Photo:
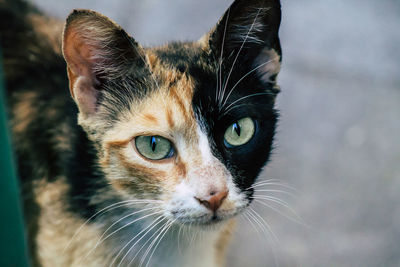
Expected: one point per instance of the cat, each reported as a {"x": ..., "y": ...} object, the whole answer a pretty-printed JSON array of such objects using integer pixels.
[{"x": 138, "y": 156}]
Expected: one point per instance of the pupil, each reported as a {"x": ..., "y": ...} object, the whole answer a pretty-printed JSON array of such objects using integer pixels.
[
  {"x": 153, "y": 143},
  {"x": 236, "y": 127}
]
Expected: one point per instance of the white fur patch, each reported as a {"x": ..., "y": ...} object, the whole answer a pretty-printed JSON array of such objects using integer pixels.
[{"x": 204, "y": 146}]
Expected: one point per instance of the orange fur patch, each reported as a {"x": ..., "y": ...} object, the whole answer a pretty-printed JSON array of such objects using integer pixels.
[{"x": 166, "y": 112}]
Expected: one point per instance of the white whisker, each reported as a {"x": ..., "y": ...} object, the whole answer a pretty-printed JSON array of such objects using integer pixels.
[
  {"x": 159, "y": 241},
  {"x": 265, "y": 225},
  {"x": 276, "y": 191},
  {"x": 268, "y": 180},
  {"x": 250, "y": 220},
  {"x": 179, "y": 239},
  {"x": 130, "y": 223},
  {"x": 237, "y": 55},
  {"x": 101, "y": 240},
  {"x": 244, "y": 76},
  {"x": 278, "y": 201},
  {"x": 287, "y": 186},
  {"x": 152, "y": 225},
  {"x": 153, "y": 241},
  {"x": 107, "y": 209},
  {"x": 147, "y": 241},
  {"x": 267, "y": 230},
  {"x": 220, "y": 58},
  {"x": 299, "y": 220},
  {"x": 227, "y": 109},
  {"x": 192, "y": 238}
]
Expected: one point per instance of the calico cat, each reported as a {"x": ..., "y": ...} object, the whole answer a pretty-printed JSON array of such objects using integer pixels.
[{"x": 158, "y": 148}]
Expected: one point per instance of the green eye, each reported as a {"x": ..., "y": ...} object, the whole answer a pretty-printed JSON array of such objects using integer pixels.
[
  {"x": 154, "y": 147},
  {"x": 240, "y": 132}
]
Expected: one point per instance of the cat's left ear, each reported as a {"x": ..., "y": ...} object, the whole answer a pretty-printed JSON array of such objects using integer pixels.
[{"x": 248, "y": 34}]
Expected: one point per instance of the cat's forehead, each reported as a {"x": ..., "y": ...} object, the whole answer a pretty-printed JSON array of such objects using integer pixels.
[
  {"x": 169, "y": 108},
  {"x": 183, "y": 57},
  {"x": 165, "y": 111}
]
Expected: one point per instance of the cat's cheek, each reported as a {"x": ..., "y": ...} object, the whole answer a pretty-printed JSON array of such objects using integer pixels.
[{"x": 131, "y": 177}]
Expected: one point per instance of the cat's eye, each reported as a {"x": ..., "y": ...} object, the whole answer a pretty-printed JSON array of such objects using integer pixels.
[
  {"x": 154, "y": 147},
  {"x": 239, "y": 133}
]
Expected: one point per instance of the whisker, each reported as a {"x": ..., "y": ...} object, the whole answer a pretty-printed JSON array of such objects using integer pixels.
[
  {"x": 192, "y": 238},
  {"x": 227, "y": 109},
  {"x": 299, "y": 220},
  {"x": 159, "y": 241},
  {"x": 268, "y": 180},
  {"x": 264, "y": 228},
  {"x": 234, "y": 107},
  {"x": 106, "y": 209},
  {"x": 237, "y": 55},
  {"x": 274, "y": 241},
  {"x": 244, "y": 76},
  {"x": 249, "y": 219},
  {"x": 257, "y": 223},
  {"x": 263, "y": 223},
  {"x": 101, "y": 240},
  {"x": 152, "y": 225},
  {"x": 220, "y": 58},
  {"x": 150, "y": 246},
  {"x": 217, "y": 85},
  {"x": 147, "y": 241},
  {"x": 276, "y": 200},
  {"x": 179, "y": 239},
  {"x": 276, "y": 191},
  {"x": 274, "y": 184},
  {"x": 130, "y": 223}
]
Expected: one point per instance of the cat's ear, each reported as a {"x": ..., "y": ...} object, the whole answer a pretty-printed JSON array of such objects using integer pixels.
[
  {"x": 248, "y": 33},
  {"x": 96, "y": 49}
]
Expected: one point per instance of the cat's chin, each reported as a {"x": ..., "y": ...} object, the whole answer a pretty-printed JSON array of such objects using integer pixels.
[
  {"x": 213, "y": 224},
  {"x": 207, "y": 221}
]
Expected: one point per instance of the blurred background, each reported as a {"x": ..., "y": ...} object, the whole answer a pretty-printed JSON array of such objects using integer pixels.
[{"x": 338, "y": 141}]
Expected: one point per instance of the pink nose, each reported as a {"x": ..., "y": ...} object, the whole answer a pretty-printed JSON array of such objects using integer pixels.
[{"x": 213, "y": 201}]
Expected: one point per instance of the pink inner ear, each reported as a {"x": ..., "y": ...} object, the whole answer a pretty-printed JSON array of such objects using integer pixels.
[
  {"x": 85, "y": 95},
  {"x": 79, "y": 57},
  {"x": 78, "y": 54}
]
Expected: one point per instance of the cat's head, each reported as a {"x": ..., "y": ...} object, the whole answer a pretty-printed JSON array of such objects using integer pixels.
[{"x": 187, "y": 124}]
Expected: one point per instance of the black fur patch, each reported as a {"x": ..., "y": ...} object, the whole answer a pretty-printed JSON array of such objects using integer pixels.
[{"x": 244, "y": 162}]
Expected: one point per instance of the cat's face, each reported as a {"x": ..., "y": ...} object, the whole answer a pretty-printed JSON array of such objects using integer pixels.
[{"x": 187, "y": 124}]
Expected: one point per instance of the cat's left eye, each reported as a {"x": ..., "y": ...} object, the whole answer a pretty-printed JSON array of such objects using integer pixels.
[
  {"x": 154, "y": 147},
  {"x": 239, "y": 133}
]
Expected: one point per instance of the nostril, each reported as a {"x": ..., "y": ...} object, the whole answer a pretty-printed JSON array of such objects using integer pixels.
[{"x": 213, "y": 201}]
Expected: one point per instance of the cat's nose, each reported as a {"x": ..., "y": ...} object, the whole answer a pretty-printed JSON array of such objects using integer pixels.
[{"x": 213, "y": 201}]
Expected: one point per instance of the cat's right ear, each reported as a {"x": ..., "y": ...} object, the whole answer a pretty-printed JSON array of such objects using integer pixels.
[{"x": 96, "y": 49}]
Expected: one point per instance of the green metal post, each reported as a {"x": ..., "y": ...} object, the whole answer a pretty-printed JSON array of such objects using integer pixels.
[{"x": 13, "y": 252}]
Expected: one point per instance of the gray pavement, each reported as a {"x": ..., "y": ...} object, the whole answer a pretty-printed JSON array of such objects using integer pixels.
[{"x": 338, "y": 141}]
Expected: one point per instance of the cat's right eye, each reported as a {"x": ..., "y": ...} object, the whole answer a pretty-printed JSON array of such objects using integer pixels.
[{"x": 154, "y": 147}]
